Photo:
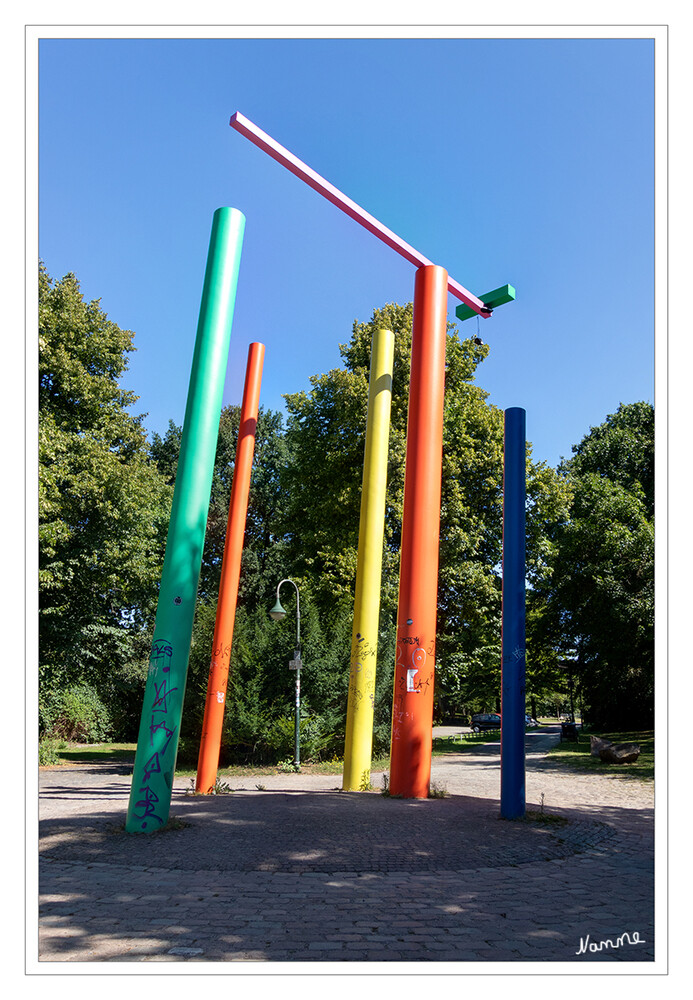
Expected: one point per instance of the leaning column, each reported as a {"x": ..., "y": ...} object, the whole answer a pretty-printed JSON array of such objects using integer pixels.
[
  {"x": 213, "y": 721},
  {"x": 157, "y": 744}
]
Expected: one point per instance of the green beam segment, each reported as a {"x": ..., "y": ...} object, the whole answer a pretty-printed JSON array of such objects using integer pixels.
[{"x": 498, "y": 297}]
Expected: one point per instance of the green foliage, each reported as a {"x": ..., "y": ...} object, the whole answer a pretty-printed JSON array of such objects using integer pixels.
[
  {"x": 219, "y": 788},
  {"x": 326, "y": 436},
  {"x": 164, "y": 451},
  {"x": 303, "y": 522},
  {"x": 316, "y": 743},
  {"x": 77, "y": 714},
  {"x": 260, "y": 690},
  {"x": 621, "y": 450},
  {"x": 599, "y": 600},
  {"x": 103, "y": 506},
  {"x": 365, "y": 782},
  {"x": 49, "y": 751},
  {"x": 188, "y": 751},
  {"x": 104, "y": 501},
  {"x": 263, "y": 548}
]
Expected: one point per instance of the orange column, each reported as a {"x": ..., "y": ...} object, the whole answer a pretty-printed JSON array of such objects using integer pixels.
[
  {"x": 412, "y": 705},
  {"x": 210, "y": 743}
]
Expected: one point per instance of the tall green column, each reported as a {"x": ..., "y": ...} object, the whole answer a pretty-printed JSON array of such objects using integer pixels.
[{"x": 157, "y": 744}]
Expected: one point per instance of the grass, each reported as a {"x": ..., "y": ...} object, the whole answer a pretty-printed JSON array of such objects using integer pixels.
[
  {"x": 173, "y": 823},
  {"x": 124, "y": 753},
  {"x": 467, "y": 742},
  {"x": 443, "y": 745},
  {"x": 574, "y": 757},
  {"x": 220, "y": 788},
  {"x": 319, "y": 767},
  {"x": 98, "y": 753},
  {"x": 548, "y": 819},
  {"x": 577, "y": 756}
]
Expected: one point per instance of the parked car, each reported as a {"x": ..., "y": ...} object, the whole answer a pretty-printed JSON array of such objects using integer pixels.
[{"x": 483, "y": 721}]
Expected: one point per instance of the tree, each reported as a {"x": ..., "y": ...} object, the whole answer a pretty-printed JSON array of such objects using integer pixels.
[
  {"x": 263, "y": 544},
  {"x": 326, "y": 430},
  {"x": 600, "y": 595},
  {"x": 256, "y": 696},
  {"x": 620, "y": 450},
  {"x": 103, "y": 506},
  {"x": 303, "y": 519}
]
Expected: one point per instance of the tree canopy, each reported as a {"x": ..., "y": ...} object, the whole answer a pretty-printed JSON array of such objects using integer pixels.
[
  {"x": 326, "y": 435},
  {"x": 104, "y": 502},
  {"x": 103, "y": 506},
  {"x": 600, "y": 594}
]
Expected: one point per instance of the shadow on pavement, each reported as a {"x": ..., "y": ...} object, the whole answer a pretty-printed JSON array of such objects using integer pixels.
[
  {"x": 326, "y": 831},
  {"x": 306, "y": 876}
]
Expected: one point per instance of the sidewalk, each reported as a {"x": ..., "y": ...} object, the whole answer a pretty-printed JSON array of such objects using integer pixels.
[{"x": 298, "y": 871}]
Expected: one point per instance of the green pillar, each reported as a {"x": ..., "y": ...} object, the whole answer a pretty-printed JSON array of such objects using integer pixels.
[{"x": 157, "y": 744}]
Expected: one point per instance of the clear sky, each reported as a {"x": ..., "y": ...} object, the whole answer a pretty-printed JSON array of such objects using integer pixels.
[{"x": 520, "y": 161}]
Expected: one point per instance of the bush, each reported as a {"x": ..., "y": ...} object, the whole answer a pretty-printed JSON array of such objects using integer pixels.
[
  {"x": 315, "y": 741},
  {"x": 77, "y": 714},
  {"x": 381, "y": 739},
  {"x": 48, "y": 708},
  {"x": 48, "y": 751},
  {"x": 125, "y": 697},
  {"x": 188, "y": 752}
]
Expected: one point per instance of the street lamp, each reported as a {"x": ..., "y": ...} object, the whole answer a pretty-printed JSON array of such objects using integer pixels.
[{"x": 277, "y": 613}]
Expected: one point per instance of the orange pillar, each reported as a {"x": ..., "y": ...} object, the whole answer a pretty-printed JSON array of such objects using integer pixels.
[
  {"x": 412, "y": 704},
  {"x": 210, "y": 743}
]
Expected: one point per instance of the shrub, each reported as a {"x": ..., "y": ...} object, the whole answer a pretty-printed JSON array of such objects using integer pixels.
[
  {"x": 381, "y": 739},
  {"x": 280, "y": 737},
  {"x": 188, "y": 752},
  {"x": 315, "y": 741},
  {"x": 48, "y": 751},
  {"x": 48, "y": 709},
  {"x": 79, "y": 715},
  {"x": 125, "y": 697}
]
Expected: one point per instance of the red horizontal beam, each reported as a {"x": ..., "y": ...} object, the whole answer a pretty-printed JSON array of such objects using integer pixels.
[{"x": 354, "y": 211}]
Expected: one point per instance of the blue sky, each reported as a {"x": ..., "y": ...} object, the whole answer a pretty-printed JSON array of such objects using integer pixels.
[{"x": 521, "y": 161}]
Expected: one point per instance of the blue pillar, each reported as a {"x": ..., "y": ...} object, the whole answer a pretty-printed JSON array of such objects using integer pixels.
[{"x": 513, "y": 635}]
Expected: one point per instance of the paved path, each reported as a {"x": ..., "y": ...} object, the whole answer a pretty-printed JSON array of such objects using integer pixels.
[{"x": 299, "y": 871}]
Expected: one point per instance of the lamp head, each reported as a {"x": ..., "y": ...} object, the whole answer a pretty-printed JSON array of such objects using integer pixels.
[{"x": 277, "y": 612}]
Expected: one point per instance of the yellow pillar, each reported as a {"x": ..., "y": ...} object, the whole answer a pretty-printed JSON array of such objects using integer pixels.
[{"x": 364, "y": 642}]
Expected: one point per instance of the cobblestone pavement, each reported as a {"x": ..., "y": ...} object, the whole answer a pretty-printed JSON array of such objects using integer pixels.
[{"x": 298, "y": 871}]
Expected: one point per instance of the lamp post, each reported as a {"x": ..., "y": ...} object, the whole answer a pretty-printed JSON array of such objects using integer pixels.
[{"x": 277, "y": 613}]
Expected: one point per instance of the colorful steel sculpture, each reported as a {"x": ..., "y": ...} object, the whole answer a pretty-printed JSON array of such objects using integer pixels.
[
  {"x": 513, "y": 629},
  {"x": 414, "y": 675},
  {"x": 498, "y": 297},
  {"x": 210, "y": 743},
  {"x": 354, "y": 211},
  {"x": 412, "y": 703},
  {"x": 157, "y": 744},
  {"x": 358, "y": 744}
]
